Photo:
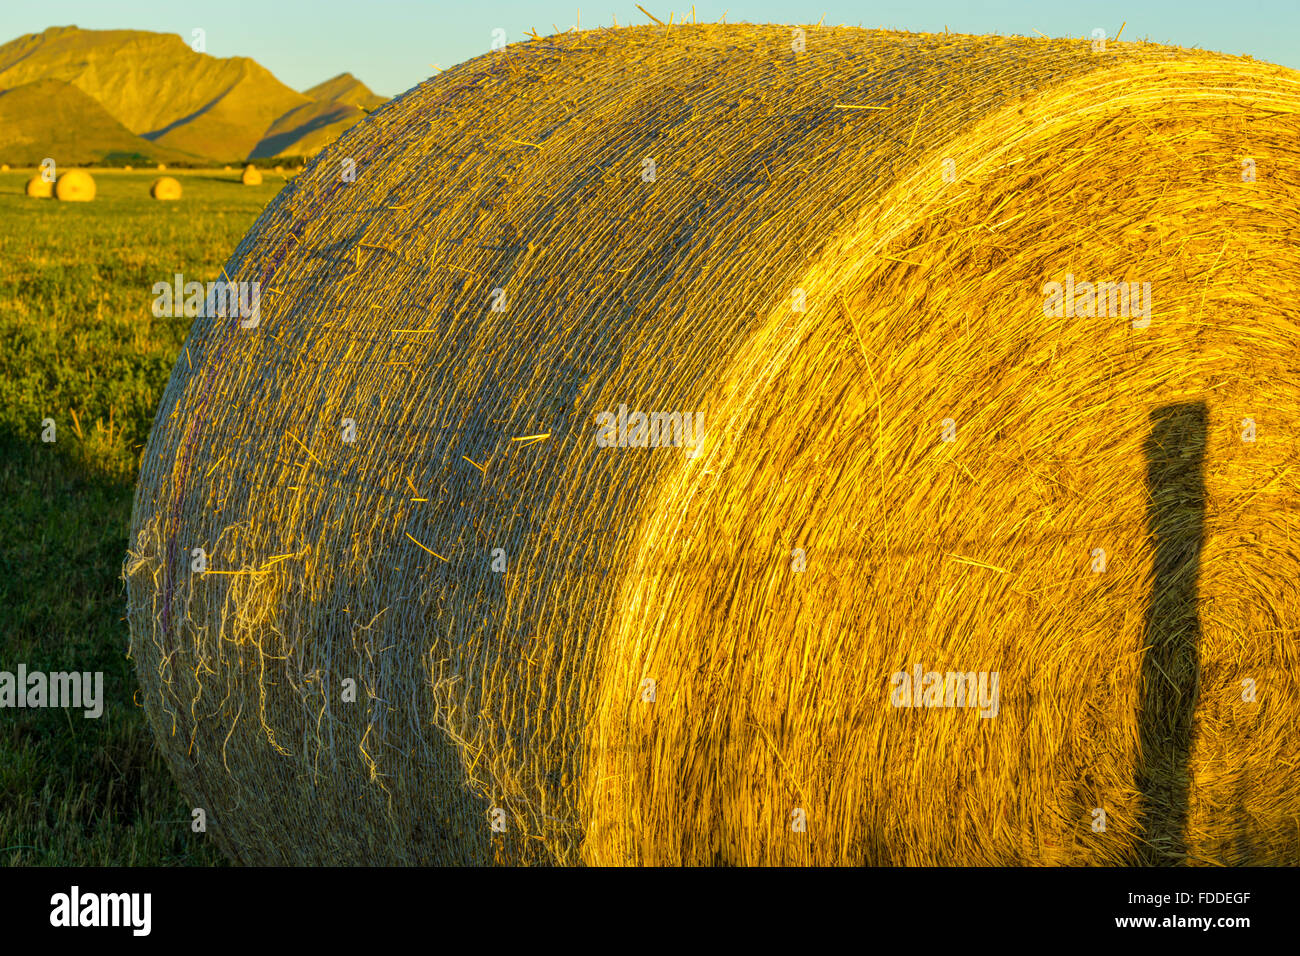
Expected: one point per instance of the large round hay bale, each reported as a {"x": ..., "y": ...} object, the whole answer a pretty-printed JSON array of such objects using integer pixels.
[
  {"x": 432, "y": 544},
  {"x": 165, "y": 187},
  {"x": 251, "y": 176},
  {"x": 76, "y": 185},
  {"x": 39, "y": 188}
]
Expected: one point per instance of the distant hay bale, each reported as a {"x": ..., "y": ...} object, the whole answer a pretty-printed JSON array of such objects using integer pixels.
[
  {"x": 161, "y": 167},
  {"x": 227, "y": 168},
  {"x": 4, "y": 167},
  {"x": 251, "y": 176},
  {"x": 39, "y": 188},
  {"x": 76, "y": 185},
  {"x": 406, "y": 562},
  {"x": 128, "y": 168},
  {"x": 165, "y": 187},
  {"x": 278, "y": 169}
]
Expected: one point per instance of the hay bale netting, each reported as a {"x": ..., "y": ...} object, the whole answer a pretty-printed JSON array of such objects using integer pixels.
[
  {"x": 39, "y": 188},
  {"x": 681, "y": 652},
  {"x": 76, "y": 185},
  {"x": 251, "y": 176},
  {"x": 165, "y": 187}
]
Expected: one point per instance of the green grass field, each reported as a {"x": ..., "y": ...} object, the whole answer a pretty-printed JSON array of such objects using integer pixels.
[{"x": 81, "y": 346}]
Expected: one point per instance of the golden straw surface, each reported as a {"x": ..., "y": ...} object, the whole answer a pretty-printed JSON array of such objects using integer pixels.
[{"x": 633, "y": 573}]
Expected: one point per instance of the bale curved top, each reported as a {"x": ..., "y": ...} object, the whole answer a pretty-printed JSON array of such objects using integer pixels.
[{"x": 624, "y": 220}]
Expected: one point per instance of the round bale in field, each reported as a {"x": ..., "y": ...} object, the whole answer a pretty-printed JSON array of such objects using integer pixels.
[
  {"x": 675, "y": 449},
  {"x": 251, "y": 176},
  {"x": 165, "y": 187},
  {"x": 39, "y": 188},
  {"x": 76, "y": 185}
]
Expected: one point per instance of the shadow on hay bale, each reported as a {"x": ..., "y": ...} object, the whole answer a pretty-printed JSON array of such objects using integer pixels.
[
  {"x": 1176, "y": 517},
  {"x": 917, "y": 456}
]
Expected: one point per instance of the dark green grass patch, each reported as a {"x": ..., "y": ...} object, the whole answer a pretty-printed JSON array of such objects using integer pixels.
[{"x": 81, "y": 347}]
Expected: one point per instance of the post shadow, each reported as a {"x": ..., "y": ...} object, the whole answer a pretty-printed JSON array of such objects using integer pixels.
[{"x": 1175, "y": 454}]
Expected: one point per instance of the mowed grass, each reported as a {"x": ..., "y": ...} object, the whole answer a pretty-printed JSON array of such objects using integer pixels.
[{"x": 81, "y": 347}]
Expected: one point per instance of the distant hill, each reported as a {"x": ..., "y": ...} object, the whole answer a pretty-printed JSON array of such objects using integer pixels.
[
  {"x": 308, "y": 129},
  {"x": 345, "y": 88},
  {"x": 50, "y": 118},
  {"x": 336, "y": 104},
  {"x": 155, "y": 88}
]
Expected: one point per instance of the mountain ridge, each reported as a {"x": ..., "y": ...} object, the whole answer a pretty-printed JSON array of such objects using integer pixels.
[{"x": 163, "y": 93}]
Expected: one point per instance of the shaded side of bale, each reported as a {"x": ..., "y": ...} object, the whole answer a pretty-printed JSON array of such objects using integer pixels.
[{"x": 668, "y": 286}]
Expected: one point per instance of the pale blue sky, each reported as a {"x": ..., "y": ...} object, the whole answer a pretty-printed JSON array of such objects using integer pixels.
[{"x": 390, "y": 44}]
